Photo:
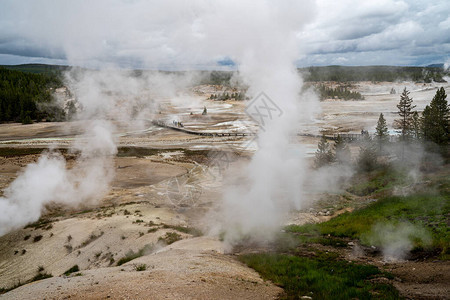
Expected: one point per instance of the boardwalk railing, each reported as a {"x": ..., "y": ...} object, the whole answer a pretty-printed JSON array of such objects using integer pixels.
[
  {"x": 213, "y": 134},
  {"x": 347, "y": 137}
]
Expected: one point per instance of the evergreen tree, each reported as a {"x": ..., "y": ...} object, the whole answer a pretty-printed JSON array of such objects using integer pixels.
[
  {"x": 404, "y": 123},
  {"x": 416, "y": 124},
  {"x": 341, "y": 150},
  {"x": 324, "y": 156},
  {"x": 381, "y": 132},
  {"x": 435, "y": 119},
  {"x": 20, "y": 94}
]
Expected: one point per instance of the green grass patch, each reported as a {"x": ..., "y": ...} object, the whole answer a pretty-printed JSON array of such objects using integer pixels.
[
  {"x": 429, "y": 212},
  {"x": 323, "y": 277},
  {"x": 377, "y": 181}
]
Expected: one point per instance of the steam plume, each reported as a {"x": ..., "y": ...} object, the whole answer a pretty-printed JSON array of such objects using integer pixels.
[
  {"x": 260, "y": 37},
  {"x": 396, "y": 240},
  {"x": 48, "y": 180}
]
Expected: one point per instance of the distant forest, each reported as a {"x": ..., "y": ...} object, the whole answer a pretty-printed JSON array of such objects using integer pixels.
[
  {"x": 340, "y": 92},
  {"x": 25, "y": 90},
  {"x": 26, "y": 96},
  {"x": 348, "y": 74},
  {"x": 373, "y": 73}
]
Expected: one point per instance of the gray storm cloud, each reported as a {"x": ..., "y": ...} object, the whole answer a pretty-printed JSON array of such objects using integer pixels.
[{"x": 174, "y": 33}]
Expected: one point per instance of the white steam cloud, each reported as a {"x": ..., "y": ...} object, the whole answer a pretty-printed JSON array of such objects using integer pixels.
[
  {"x": 48, "y": 180},
  {"x": 260, "y": 36},
  {"x": 397, "y": 240},
  {"x": 274, "y": 176}
]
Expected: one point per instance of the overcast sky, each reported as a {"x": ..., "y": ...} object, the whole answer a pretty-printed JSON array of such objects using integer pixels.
[{"x": 174, "y": 33}]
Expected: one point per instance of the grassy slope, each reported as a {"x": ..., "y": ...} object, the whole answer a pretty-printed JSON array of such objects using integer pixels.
[
  {"x": 429, "y": 209},
  {"x": 322, "y": 277}
]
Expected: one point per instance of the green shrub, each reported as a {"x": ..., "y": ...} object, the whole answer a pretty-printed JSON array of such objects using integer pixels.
[
  {"x": 170, "y": 238},
  {"x": 72, "y": 270},
  {"x": 133, "y": 255},
  {"x": 140, "y": 267}
]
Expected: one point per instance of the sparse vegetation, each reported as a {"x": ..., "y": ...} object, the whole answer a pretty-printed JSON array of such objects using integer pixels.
[
  {"x": 41, "y": 223},
  {"x": 170, "y": 238},
  {"x": 187, "y": 230},
  {"x": 133, "y": 255},
  {"x": 92, "y": 237},
  {"x": 74, "y": 269},
  {"x": 68, "y": 247},
  {"x": 37, "y": 238},
  {"x": 140, "y": 267},
  {"x": 4, "y": 290},
  {"x": 41, "y": 274}
]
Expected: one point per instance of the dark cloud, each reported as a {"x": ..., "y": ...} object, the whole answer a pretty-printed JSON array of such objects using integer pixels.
[{"x": 169, "y": 33}]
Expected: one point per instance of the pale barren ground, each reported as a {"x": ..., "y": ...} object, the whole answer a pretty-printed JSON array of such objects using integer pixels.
[{"x": 95, "y": 237}]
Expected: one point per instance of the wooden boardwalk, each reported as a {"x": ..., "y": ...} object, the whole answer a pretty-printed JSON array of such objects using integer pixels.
[
  {"x": 212, "y": 134},
  {"x": 347, "y": 137}
]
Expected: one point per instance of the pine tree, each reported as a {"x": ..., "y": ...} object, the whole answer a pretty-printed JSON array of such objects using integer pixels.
[
  {"x": 324, "y": 156},
  {"x": 367, "y": 159},
  {"x": 381, "y": 132},
  {"x": 416, "y": 124},
  {"x": 435, "y": 119},
  {"x": 404, "y": 123},
  {"x": 341, "y": 150}
]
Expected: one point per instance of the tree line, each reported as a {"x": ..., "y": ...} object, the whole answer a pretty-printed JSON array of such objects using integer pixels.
[
  {"x": 340, "y": 92},
  {"x": 227, "y": 96},
  {"x": 431, "y": 128},
  {"x": 25, "y": 97},
  {"x": 373, "y": 73}
]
